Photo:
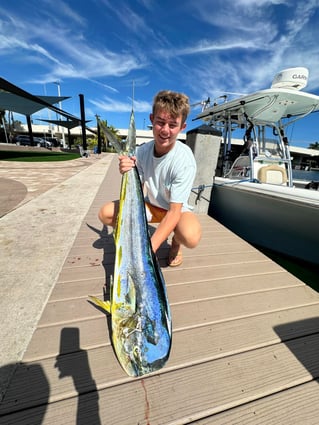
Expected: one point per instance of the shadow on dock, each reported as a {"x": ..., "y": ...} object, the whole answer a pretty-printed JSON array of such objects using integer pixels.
[
  {"x": 73, "y": 361},
  {"x": 24, "y": 394},
  {"x": 302, "y": 339}
]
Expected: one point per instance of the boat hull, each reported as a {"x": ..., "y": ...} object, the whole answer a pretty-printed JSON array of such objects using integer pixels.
[{"x": 282, "y": 219}]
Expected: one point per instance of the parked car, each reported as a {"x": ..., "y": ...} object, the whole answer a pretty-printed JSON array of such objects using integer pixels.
[
  {"x": 43, "y": 142},
  {"x": 54, "y": 142},
  {"x": 24, "y": 140}
]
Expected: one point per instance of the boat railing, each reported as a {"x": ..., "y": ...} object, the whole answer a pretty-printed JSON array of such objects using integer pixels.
[{"x": 270, "y": 160}]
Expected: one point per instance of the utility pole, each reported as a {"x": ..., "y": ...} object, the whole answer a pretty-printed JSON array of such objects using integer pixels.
[
  {"x": 60, "y": 107},
  {"x": 99, "y": 142},
  {"x": 83, "y": 121}
]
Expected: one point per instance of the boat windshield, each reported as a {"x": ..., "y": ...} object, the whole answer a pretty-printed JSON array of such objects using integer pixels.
[
  {"x": 270, "y": 148},
  {"x": 268, "y": 142},
  {"x": 264, "y": 150}
]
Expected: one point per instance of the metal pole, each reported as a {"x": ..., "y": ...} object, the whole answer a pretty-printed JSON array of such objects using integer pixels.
[
  {"x": 99, "y": 144},
  {"x": 4, "y": 128},
  {"x": 29, "y": 123},
  {"x": 83, "y": 121},
  {"x": 60, "y": 107}
]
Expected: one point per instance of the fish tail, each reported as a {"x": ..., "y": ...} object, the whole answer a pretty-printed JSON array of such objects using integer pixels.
[
  {"x": 105, "y": 305},
  {"x": 131, "y": 136},
  {"x": 130, "y": 145}
]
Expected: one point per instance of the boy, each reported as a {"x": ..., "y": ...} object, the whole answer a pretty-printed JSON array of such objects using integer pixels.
[{"x": 167, "y": 169}]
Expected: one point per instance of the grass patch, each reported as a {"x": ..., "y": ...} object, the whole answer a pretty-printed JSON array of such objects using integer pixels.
[{"x": 30, "y": 156}]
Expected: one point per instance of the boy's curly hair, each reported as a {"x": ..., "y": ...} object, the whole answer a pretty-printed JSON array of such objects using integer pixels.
[{"x": 172, "y": 102}]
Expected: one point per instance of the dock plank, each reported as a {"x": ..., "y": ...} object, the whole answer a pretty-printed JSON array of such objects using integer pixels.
[
  {"x": 187, "y": 313},
  {"x": 213, "y": 340},
  {"x": 188, "y": 392},
  {"x": 295, "y": 406},
  {"x": 185, "y": 291},
  {"x": 229, "y": 268}
]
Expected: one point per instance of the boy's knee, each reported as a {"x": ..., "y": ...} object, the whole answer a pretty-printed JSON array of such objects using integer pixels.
[
  {"x": 189, "y": 230},
  {"x": 194, "y": 234},
  {"x": 108, "y": 213},
  {"x": 191, "y": 237},
  {"x": 104, "y": 215},
  {"x": 193, "y": 240},
  {"x": 101, "y": 215}
]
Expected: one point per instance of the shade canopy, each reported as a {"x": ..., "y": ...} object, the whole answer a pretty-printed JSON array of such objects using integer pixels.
[
  {"x": 12, "y": 98},
  {"x": 67, "y": 124},
  {"x": 14, "y": 103}
]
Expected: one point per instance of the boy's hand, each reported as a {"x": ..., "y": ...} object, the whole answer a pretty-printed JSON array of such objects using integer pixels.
[{"x": 126, "y": 163}]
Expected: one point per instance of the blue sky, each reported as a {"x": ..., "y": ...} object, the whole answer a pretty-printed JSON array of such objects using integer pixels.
[{"x": 202, "y": 48}]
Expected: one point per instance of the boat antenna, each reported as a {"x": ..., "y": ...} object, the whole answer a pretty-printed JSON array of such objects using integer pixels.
[{"x": 204, "y": 104}]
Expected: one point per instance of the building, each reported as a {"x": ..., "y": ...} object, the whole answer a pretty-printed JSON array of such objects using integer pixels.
[{"x": 303, "y": 158}]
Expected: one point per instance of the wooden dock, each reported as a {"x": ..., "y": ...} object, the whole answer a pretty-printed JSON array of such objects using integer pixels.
[{"x": 245, "y": 341}]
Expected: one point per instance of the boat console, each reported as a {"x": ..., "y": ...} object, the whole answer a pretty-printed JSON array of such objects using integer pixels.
[{"x": 264, "y": 117}]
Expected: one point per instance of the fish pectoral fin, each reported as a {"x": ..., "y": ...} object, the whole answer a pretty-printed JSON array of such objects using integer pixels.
[
  {"x": 111, "y": 288},
  {"x": 150, "y": 331},
  {"x": 130, "y": 298},
  {"x": 104, "y": 305}
]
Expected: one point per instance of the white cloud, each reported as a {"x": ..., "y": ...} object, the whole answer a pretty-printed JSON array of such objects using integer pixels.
[
  {"x": 62, "y": 53},
  {"x": 249, "y": 44},
  {"x": 108, "y": 104},
  {"x": 199, "y": 48}
]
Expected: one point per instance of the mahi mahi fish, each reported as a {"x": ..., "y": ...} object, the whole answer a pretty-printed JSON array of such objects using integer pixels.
[{"x": 139, "y": 308}]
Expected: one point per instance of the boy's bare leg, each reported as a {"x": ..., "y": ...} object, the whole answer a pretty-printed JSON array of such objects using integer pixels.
[{"x": 188, "y": 233}]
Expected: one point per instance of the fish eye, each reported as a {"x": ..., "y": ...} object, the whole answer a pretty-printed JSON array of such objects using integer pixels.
[{"x": 136, "y": 352}]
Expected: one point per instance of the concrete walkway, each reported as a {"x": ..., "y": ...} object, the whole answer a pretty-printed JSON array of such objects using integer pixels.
[{"x": 37, "y": 231}]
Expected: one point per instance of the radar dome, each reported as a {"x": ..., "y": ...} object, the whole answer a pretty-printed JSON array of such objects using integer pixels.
[{"x": 291, "y": 78}]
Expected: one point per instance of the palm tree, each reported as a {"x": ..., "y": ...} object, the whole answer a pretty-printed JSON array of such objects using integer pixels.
[
  {"x": 2, "y": 117},
  {"x": 3, "y": 124},
  {"x": 314, "y": 145},
  {"x": 113, "y": 130}
]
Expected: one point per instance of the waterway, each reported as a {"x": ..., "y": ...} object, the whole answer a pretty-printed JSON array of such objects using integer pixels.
[
  {"x": 306, "y": 272},
  {"x": 305, "y": 175}
]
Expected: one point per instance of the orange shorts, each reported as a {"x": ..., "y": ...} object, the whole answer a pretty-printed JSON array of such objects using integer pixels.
[{"x": 154, "y": 214}]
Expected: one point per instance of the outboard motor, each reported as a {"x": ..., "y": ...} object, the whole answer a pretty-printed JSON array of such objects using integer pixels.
[{"x": 313, "y": 185}]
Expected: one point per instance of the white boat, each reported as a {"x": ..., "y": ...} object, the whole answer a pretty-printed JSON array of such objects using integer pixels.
[{"x": 253, "y": 192}]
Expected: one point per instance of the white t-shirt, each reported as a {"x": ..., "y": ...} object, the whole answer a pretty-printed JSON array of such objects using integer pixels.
[{"x": 168, "y": 178}]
